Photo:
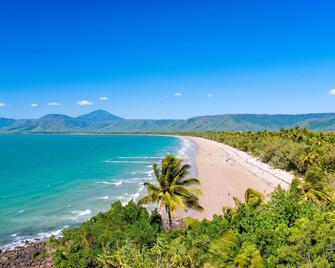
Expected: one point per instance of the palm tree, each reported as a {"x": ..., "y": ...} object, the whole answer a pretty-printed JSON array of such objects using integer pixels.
[
  {"x": 313, "y": 193},
  {"x": 252, "y": 197},
  {"x": 314, "y": 187},
  {"x": 172, "y": 191},
  {"x": 309, "y": 158}
]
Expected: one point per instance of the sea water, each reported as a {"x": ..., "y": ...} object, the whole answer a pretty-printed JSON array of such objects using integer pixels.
[{"x": 51, "y": 181}]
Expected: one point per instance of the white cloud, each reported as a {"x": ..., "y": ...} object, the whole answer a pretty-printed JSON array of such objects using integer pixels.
[
  {"x": 103, "y": 98},
  {"x": 332, "y": 91},
  {"x": 2, "y": 104},
  {"x": 209, "y": 95},
  {"x": 34, "y": 105},
  {"x": 84, "y": 102},
  {"x": 178, "y": 94},
  {"x": 54, "y": 104}
]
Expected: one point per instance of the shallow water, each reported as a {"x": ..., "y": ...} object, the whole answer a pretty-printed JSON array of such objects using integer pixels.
[{"x": 51, "y": 181}]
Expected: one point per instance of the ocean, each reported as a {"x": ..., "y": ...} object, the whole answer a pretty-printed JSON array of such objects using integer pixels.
[{"x": 52, "y": 181}]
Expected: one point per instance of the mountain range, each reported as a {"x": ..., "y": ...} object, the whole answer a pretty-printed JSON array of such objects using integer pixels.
[{"x": 102, "y": 121}]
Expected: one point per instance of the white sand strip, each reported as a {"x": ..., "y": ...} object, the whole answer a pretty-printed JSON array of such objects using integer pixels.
[{"x": 226, "y": 172}]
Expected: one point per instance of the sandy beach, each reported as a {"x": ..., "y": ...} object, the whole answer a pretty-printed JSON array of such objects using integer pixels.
[{"x": 225, "y": 172}]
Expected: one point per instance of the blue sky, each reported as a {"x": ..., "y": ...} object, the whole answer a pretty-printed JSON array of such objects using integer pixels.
[{"x": 166, "y": 59}]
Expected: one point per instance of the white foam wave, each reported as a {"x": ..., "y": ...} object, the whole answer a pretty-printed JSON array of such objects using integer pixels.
[
  {"x": 41, "y": 236},
  {"x": 104, "y": 197},
  {"x": 135, "y": 196},
  {"x": 143, "y": 172},
  {"x": 124, "y": 199},
  {"x": 135, "y": 179},
  {"x": 126, "y": 162},
  {"x": 186, "y": 150},
  {"x": 139, "y": 157},
  {"x": 82, "y": 212},
  {"x": 127, "y": 181},
  {"x": 117, "y": 183}
]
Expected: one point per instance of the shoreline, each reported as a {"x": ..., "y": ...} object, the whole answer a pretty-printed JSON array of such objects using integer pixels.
[
  {"x": 182, "y": 149},
  {"x": 225, "y": 172}
]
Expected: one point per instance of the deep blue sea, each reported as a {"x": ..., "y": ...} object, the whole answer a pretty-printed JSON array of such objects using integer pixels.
[{"x": 51, "y": 181}]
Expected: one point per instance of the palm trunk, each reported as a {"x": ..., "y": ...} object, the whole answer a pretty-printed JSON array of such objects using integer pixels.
[{"x": 169, "y": 216}]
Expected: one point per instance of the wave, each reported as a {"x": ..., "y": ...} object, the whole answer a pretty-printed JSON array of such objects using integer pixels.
[
  {"x": 138, "y": 157},
  {"x": 127, "y": 162},
  {"x": 187, "y": 152},
  {"x": 103, "y": 197},
  {"x": 187, "y": 149},
  {"x": 143, "y": 172},
  {"x": 110, "y": 183},
  {"x": 82, "y": 212},
  {"x": 132, "y": 180},
  {"x": 126, "y": 197},
  {"x": 136, "y": 195},
  {"x": 41, "y": 236},
  {"x": 129, "y": 180}
]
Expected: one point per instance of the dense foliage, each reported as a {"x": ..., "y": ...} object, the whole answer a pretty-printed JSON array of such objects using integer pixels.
[
  {"x": 293, "y": 149},
  {"x": 291, "y": 228},
  {"x": 287, "y": 231}
]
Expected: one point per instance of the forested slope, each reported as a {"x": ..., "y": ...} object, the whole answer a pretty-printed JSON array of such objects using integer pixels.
[{"x": 293, "y": 228}]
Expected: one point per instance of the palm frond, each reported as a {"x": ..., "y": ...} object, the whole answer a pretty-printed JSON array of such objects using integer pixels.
[
  {"x": 151, "y": 187},
  {"x": 185, "y": 191},
  {"x": 252, "y": 197},
  {"x": 194, "y": 204},
  {"x": 184, "y": 171},
  {"x": 150, "y": 198},
  {"x": 189, "y": 182},
  {"x": 156, "y": 170}
]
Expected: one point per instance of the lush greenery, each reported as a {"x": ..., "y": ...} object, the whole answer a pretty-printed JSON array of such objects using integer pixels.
[
  {"x": 293, "y": 149},
  {"x": 173, "y": 190},
  {"x": 287, "y": 231},
  {"x": 291, "y": 228}
]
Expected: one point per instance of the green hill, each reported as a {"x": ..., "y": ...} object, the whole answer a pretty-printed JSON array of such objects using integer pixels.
[{"x": 102, "y": 121}]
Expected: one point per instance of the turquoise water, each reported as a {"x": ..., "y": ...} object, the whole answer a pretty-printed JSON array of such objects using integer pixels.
[{"x": 50, "y": 181}]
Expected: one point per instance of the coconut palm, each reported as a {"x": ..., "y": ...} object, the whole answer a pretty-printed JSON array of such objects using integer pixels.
[
  {"x": 252, "y": 197},
  {"x": 314, "y": 194},
  {"x": 309, "y": 158},
  {"x": 172, "y": 191},
  {"x": 314, "y": 187}
]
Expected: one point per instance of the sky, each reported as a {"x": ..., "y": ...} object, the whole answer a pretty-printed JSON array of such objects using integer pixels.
[{"x": 166, "y": 59}]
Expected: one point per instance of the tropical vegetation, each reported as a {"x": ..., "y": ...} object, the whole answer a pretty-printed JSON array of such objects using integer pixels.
[
  {"x": 173, "y": 190},
  {"x": 295, "y": 149},
  {"x": 289, "y": 228}
]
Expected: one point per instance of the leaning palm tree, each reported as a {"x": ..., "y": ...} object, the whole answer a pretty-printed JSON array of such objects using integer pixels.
[
  {"x": 314, "y": 187},
  {"x": 172, "y": 191},
  {"x": 314, "y": 193}
]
